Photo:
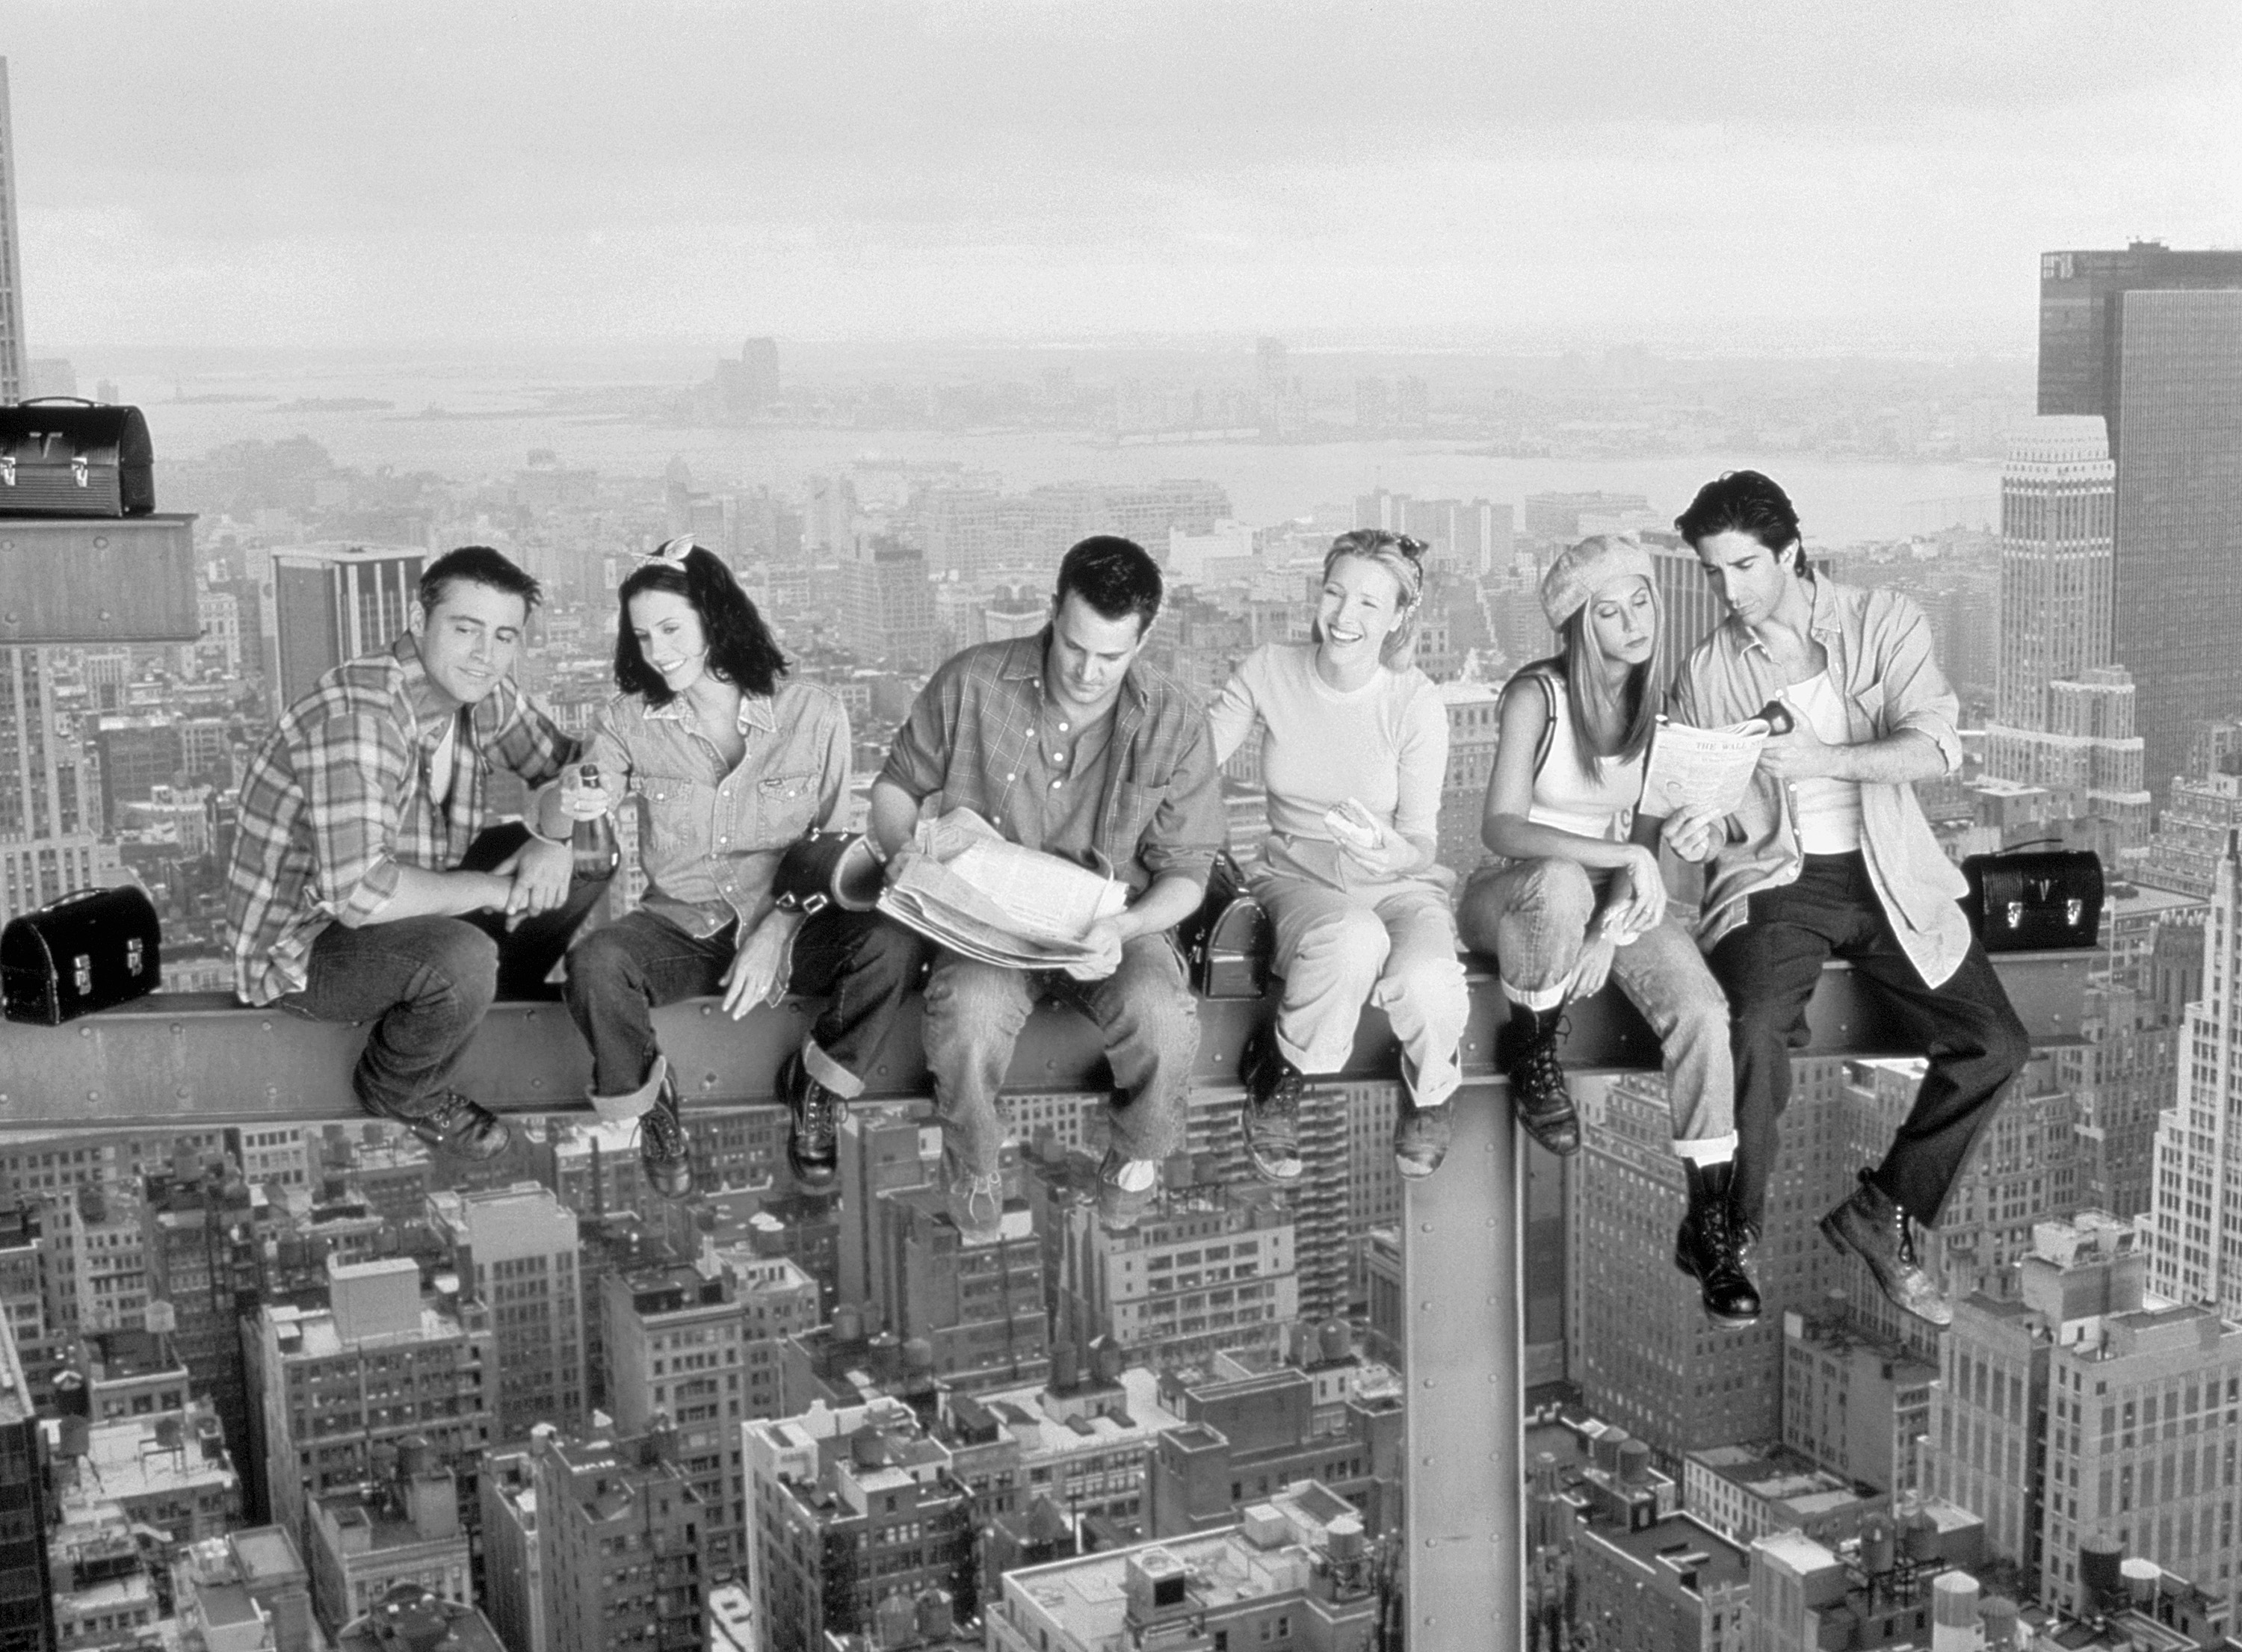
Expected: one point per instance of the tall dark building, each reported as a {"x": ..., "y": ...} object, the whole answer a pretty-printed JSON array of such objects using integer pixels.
[
  {"x": 2179, "y": 515},
  {"x": 27, "y": 1613},
  {"x": 2081, "y": 319},
  {"x": 2150, "y": 339},
  {"x": 332, "y": 603}
]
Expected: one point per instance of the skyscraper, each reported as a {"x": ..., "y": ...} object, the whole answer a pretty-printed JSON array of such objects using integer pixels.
[
  {"x": 332, "y": 603},
  {"x": 2064, "y": 714},
  {"x": 2179, "y": 513},
  {"x": 2082, "y": 323},
  {"x": 49, "y": 792},
  {"x": 2196, "y": 1245},
  {"x": 11, "y": 272},
  {"x": 2150, "y": 339},
  {"x": 516, "y": 1251}
]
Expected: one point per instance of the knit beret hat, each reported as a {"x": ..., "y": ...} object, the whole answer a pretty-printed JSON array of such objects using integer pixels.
[{"x": 1588, "y": 568}]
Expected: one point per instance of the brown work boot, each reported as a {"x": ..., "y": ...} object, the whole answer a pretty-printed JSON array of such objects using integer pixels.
[
  {"x": 1875, "y": 1227},
  {"x": 451, "y": 1124}
]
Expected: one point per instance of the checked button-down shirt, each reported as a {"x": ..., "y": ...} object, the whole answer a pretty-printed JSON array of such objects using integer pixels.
[{"x": 336, "y": 798}]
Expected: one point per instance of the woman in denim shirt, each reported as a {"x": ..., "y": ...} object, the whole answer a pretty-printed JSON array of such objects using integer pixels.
[{"x": 728, "y": 764}]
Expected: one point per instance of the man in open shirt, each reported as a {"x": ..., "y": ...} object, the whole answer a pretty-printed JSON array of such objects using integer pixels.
[
  {"x": 1070, "y": 743},
  {"x": 365, "y": 882},
  {"x": 1831, "y": 855}
]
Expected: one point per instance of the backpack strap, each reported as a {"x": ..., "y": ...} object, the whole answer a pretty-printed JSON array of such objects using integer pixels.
[{"x": 1550, "y": 704}]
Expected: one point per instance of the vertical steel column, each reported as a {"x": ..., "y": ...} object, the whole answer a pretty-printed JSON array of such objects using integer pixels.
[{"x": 1463, "y": 1335}]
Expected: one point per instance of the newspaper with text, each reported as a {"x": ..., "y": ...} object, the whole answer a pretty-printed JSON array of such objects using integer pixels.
[{"x": 1701, "y": 765}]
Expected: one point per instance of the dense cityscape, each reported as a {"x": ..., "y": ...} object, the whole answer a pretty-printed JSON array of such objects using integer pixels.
[{"x": 285, "y": 1387}]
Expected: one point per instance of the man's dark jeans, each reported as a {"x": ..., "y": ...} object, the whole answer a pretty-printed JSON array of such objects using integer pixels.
[
  {"x": 425, "y": 982},
  {"x": 1769, "y": 967},
  {"x": 867, "y": 964}
]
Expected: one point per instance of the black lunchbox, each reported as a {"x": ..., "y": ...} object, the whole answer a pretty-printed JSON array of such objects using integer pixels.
[
  {"x": 1227, "y": 943},
  {"x": 2034, "y": 900},
  {"x": 90, "y": 950},
  {"x": 63, "y": 457}
]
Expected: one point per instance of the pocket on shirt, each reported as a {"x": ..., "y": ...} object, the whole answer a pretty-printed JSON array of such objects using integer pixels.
[
  {"x": 786, "y": 806},
  {"x": 672, "y": 807}
]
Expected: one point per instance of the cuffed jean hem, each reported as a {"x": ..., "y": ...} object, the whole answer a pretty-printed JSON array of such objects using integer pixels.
[{"x": 1707, "y": 1150}]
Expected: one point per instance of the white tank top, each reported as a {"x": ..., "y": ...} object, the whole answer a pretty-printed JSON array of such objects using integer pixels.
[
  {"x": 1828, "y": 811},
  {"x": 1564, "y": 796}
]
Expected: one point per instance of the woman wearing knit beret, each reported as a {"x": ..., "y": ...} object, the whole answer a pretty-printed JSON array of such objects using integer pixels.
[{"x": 1571, "y": 896}]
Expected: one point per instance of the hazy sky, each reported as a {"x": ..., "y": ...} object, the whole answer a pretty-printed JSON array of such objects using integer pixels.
[{"x": 377, "y": 172}]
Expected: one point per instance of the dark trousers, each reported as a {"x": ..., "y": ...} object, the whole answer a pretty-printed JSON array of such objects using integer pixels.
[
  {"x": 864, "y": 964},
  {"x": 1769, "y": 968},
  {"x": 425, "y": 982}
]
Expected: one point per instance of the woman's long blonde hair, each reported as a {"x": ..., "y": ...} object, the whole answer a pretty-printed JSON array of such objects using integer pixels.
[
  {"x": 1588, "y": 703},
  {"x": 1403, "y": 558}
]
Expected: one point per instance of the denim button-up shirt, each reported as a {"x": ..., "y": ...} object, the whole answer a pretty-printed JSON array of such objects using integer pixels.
[
  {"x": 1880, "y": 658},
  {"x": 709, "y": 837}
]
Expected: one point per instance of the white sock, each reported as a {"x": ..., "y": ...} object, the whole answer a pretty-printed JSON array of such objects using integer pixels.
[{"x": 1137, "y": 1176}]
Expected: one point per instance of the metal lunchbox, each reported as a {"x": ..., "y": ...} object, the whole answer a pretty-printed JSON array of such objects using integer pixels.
[
  {"x": 1227, "y": 943},
  {"x": 2034, "y": 902},
  {"x": 62, "y": 457},
  {"x": 91, "y": 949}
]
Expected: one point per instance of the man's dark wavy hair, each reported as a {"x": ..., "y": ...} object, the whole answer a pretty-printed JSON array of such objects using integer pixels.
[
  {"x": 1743, "y": 502},
  {"x": 478, "y": 564},
  {"x": 1115, "y": 575},
  {"x": 741, "y": 649}
]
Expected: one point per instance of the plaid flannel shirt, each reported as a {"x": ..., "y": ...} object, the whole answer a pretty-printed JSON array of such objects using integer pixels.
[
  {"x": 336, "y": 799},
  {"x": 968, "y": 738}
]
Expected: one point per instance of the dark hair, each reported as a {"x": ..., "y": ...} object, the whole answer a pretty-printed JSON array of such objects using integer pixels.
[
  {"x": 1116, "y": 576},
  {"x": 478, "y": 564},
  {"x": 741, "y": 649},
  {"x": 1743, "y": 502}
]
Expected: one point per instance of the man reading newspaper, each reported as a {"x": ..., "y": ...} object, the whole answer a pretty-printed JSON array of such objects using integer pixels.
[{"x": 1067, "y": 742}]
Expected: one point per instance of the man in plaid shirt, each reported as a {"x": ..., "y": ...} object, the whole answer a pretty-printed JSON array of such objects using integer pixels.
[
  {"x": 1069, "y": 743},
  {"x": 364, "y": 883}
]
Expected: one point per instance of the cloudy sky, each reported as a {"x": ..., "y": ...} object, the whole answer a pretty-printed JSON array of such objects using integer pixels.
[{"x": 381, "y": 173}]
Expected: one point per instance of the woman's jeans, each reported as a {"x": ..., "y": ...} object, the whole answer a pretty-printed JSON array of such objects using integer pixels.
[
  {"x": 864, "y": 964},
  {"x": 1532, "y": 917},
  {"x": 1390, "y": 942}
]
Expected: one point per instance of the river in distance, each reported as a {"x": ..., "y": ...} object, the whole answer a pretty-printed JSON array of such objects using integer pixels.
[{"x": 468, "y": 424}]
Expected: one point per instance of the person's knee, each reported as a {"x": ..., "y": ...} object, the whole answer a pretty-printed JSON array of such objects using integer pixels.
[
  {"x": 1559, "y": 888},
  {"x": 2008, "y": 1046},
  {"x": 1163, "y": 1012},
  {"x": 977, "y": 1003},
  {"x": 1352, "y": 938},
  {"x": 461, "y": 965},
  {"x": 599, "y": 967},
  {"x": 1435, "y": 985},
  {"x": 890, "y": 956}
]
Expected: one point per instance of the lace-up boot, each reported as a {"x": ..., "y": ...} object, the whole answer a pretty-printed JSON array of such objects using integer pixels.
[
  {"x": 1526, "y": 1054},
  {"x": 1875, "y": 1227},
  {"x": 1705, "y": 1247},
  {"x": 1272, "y": 1120}
]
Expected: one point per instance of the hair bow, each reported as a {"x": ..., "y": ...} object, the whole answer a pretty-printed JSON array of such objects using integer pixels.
[{"x": 669, "y": 553}]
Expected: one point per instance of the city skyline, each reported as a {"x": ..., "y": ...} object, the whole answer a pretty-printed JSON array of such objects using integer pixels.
[{"x": 1010, "y": 169}]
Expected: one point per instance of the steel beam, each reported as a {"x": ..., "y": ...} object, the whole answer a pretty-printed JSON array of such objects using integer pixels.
[{"x": 153, "y": 1063}]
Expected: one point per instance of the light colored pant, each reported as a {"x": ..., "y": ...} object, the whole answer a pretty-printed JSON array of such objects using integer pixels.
[
  {"x": 1532, "y": 917},
  {"x": 1389, "y": 942},
  {"x": 1146, "y": 1010}
]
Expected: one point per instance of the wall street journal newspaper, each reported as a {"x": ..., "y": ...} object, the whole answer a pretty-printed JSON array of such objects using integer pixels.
[{"x": 1701, "y": 765}]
